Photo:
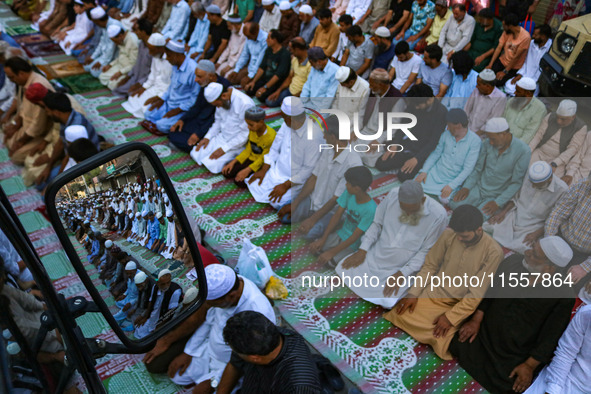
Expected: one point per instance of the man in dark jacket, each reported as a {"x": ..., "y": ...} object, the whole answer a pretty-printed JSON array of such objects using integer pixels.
[
  {"x": 431, "y": 121},
  {"x": 515, "y": 330},
  {"x": 195, "y": 123}
]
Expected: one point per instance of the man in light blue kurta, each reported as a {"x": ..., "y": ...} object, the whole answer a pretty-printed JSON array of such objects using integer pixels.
[
  {"x": 177, "y": 26},
  {"x": 105, "y": 51},
  {"x": 448, "y": 166},
  {"x": 499, "y": 172},
  {"x": 200, "y": 33},
  {"x": 321, "y": 86},
  {"x": 130, "y": 295},
  {"x": 182, "y": 91},
  {"x": 252, "y": 53},
  {"x": 463, "y": 81},
  {"x": 153, "y": 230},
  {"x": 95, "y": 249}
]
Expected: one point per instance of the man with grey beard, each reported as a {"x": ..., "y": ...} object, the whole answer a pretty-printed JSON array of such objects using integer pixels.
[
  {"x": 524, "y": 112},
  {"x": 406, "y": 225},
  {"x": 194, "y": 123}
]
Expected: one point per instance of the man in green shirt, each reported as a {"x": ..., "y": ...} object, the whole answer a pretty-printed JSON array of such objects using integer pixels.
[
  {"x": 524, "y": 112},
  {"x": 499, "y": 171},
  {"x": 485, "y": 38},
  {"x": 244, "y": 8}
]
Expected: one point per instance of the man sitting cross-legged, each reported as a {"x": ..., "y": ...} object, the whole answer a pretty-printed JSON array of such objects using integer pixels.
[
  {"x": 433, "y": 314},
  {"x": 206, "y": 353},
  {"x": 516, "y": 328},
  {"x": 406, "y": 225}
]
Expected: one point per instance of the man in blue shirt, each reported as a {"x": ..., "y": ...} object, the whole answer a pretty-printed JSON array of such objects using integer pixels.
[
  {"x": 195, "y": 123},
  {"x": 385, "y": 53},
  {"x": 251, "y": 57},
  {"x": 182, "y": 92},
  {"x": 320, "y": 88},
  {"x": 200, "y": 32},
  {"x": 177, "y": 26}
]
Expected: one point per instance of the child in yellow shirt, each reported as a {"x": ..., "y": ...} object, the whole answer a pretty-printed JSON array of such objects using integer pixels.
[{"x": 260, "y": 139}]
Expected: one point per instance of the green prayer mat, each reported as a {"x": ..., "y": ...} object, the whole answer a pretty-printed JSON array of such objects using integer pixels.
[
  {"x": 79, "y": 84},
  {"x": 13, "y": 185},
  {"x": 33, "y": 221}
]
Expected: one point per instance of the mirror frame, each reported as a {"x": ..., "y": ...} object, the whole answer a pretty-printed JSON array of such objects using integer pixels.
[{"x": 145, "y": 344}]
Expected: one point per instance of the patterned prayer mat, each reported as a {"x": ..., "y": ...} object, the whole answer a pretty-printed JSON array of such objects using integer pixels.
[
  {"x": 42, "y": 49},
  {"x": 62, "y": 70},
  {"x": 350, "y": 332},
  {"x": 33, "y": 38}
]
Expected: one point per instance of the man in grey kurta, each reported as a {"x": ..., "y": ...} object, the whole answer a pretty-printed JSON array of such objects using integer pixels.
[
  {"x": 499, "y": 171},
  {"x": 140, "y": 71},
  {"x": 516, "y": 224},
  {"x": 560, "y": 139},
  {"x": 127, "y": 44}
]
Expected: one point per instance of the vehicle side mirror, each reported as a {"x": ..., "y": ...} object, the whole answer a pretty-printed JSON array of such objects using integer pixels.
[{"x": 126, "y": 233}]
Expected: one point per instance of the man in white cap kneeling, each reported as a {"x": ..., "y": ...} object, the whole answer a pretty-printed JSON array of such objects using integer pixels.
[
  {"x": 291, "y": 159},
  {"x": 206, "y": 353},
  {"x": 229, "y": 132},
  {"x": 524, "y": 112},
  {"x": 560, "y": 139},
  {"x": 157, "y": 82},
  {"x": 127, "y": 43},
  {"x": 164, "y": 111},
  {"x": 521, "y": 221},
  {"x": 163, "y": 298},
  {"x": 515, "y": 329},
  {"x": 352, "y": 93},
  {"x": 499, "y": 171}
]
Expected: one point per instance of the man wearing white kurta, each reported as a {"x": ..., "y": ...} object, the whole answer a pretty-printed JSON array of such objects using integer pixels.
[
  {"x": 271, "y": 16},
  {"x": 291, "y": 159},
  {"x": 352, "y": 93},
  {"x": 318, "y": 198},
  {"x": 527, "y": 212},
  {"x": 570, "y": 368},
  {"x": 206, "y": 351},
  {"x": 134, "y": 227},
  {"x": 228, "y": 134},
  {"x": 396, "y": 243},
  {"x": 127, "y": 43},
  {"x": 171, "y": 241},
  {"x": 158, "y": 79}
]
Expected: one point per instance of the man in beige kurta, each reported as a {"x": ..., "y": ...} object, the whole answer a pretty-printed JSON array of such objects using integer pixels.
[
  {"x": 34, "y": 120},
  {"x": 229, "y": 57},
  {"x": 432, "y": 316},
  {"x": 38, "y": 163},
  {"x": 127, "y": 42},
  {"x": 559, "y": 139},
  {"x": 582, "y": 160}
]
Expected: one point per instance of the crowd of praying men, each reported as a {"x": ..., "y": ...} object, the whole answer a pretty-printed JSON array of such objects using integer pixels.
[{"x": 513, "y": 167}]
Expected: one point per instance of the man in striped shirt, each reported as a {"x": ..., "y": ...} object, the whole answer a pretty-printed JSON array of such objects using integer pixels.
[
  {"x": 571, "y": 219},
  {"x": 270, "y": 359}
]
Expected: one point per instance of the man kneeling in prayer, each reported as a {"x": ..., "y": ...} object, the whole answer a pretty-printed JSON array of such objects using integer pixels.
[
  {"x": 432, "y": 313},
  {"x": 515, "y": 329},
  {"x": 406, "y": 225},
  {"x": 207, "y": 352},
  {"x": 270, "y": 359}
]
